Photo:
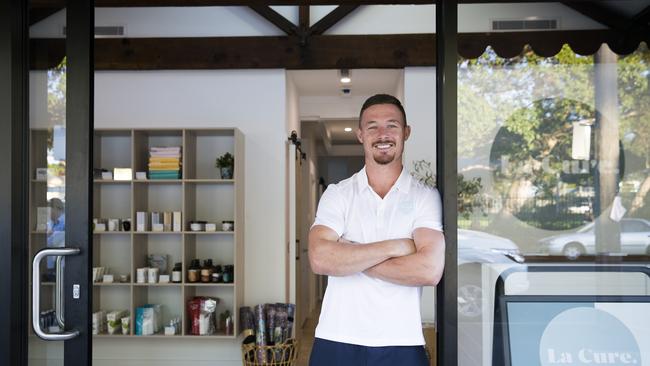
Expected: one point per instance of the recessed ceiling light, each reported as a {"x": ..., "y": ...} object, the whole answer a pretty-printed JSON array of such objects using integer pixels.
[
  {"x": 348, "y": 129},
  {"x": 345, "y": 76}
]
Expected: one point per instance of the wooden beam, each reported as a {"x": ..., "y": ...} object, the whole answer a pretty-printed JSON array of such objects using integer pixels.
[
  {"x": 332, "y": 18},
  {"x": 276, "y": 19},
  {"x": 303, "y": 17},
  {"x": 322, "y": 52}
]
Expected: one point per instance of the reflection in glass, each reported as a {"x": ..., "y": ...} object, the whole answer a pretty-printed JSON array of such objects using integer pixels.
[
  {"x": 554, "y": 167},
  {"x": 531, "y": 151}
]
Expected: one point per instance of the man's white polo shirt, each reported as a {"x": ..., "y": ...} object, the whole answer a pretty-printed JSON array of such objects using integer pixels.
[{"x": 359, "y": 309}]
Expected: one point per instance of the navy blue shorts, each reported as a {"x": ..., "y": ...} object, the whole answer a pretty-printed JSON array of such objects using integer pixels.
[{"x": 329, "y": 353}]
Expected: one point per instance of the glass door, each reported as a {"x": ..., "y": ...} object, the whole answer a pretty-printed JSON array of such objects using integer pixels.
[{"x": 52, "y": 173}]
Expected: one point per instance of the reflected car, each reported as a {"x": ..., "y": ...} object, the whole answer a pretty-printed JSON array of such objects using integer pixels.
[
  {"x": 474, "y": 249},
  {"x": 480, "y": 247},
  {"x": 477, "y": 249},
  {"x": 635, "y": 239}
]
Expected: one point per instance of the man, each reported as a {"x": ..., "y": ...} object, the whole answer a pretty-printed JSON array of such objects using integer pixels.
[
  {"x": 378, "y": 236},
  {"x": 55, "y": 232}
]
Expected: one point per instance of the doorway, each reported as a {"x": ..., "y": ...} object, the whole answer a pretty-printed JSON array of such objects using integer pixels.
[{"x": 328, "y": 111}]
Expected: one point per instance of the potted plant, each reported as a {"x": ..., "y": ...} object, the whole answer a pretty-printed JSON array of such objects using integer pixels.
[{"x": 226, "y": 165}]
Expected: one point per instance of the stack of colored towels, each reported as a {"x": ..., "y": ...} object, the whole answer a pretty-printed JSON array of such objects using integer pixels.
[{"x": 165, "y": 162}]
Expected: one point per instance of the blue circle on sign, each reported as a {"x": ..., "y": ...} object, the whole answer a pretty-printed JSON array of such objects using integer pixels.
[{"x": 588, "y": 336}]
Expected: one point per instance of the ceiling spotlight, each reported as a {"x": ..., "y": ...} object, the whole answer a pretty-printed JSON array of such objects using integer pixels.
[
  {"x": 345, "y": 76},
  {"x": 348, "y": 129}
]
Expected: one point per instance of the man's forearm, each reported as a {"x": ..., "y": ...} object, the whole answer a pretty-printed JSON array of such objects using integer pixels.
[
  {"x": 341, "y": 258},
  {"x": 423, "y": 268},
  {"x": 411, "y": 270}
]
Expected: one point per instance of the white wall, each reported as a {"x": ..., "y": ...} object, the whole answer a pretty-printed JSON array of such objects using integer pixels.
[
  {"x": 420, "y": 104},
  {"x": 293, "y": 110}
]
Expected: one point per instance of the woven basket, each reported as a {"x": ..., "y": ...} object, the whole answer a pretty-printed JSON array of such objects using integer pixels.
[{"x": 284, "y": 354}]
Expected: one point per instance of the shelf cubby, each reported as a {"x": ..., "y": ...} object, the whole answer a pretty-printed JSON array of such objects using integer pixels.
[{"x": 169, "y": 297}]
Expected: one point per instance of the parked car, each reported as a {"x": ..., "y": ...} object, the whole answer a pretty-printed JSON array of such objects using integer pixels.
[{"x": 635, "y": 239}]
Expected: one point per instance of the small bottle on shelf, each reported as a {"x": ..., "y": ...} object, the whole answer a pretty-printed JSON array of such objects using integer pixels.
[
  {"x": 229, "y": 273},
  {"x": 218, "y": 269},
  {"x": 193, "y": 273},
  {"x": 206, "y": 271},
  {"x": 177, "y": 272}
]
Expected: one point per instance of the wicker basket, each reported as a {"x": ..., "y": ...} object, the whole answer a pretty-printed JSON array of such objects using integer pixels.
[{"x": 284, "y": 354}]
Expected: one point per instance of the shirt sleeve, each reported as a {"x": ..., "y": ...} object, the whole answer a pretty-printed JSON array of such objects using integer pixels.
[
  {"x": 429, "y": 211},
  {"x": 331, "y": 210}
]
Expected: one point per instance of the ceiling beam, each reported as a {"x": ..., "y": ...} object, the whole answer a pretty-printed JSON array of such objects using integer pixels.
[
  {"x": 275, "y": 18},
  {"x": 332, "y": 18},
  {"x": 322, "y": 52},
  {"x": 303, "y": 17}
]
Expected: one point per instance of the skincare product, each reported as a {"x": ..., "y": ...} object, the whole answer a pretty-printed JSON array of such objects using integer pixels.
[
  {"x": 125, "y": 324},
  {"x": 227, "y": 225},
  {"x": 141, "y": 220},
  {"x": 142, "y": 274},
  {"x": 123, "y": 173},
  {"x": 114, "y": 321},
  {"x": 177, "y": 223},
  {"x": 177, "y": 273},
  {"x": 153, "y": 275}
]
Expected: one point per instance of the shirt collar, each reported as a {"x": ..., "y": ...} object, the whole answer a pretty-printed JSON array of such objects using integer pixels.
[{"x": 403, "y": 183}]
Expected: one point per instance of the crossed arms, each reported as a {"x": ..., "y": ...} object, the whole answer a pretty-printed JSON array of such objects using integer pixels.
[{"x": 410, "y": 262}]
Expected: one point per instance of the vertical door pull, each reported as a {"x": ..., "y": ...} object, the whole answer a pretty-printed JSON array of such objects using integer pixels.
[{"x": 36, "y": 293}]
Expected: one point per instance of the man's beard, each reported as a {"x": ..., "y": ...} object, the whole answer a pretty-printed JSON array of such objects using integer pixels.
[
  {"x": 384, "y": 159},
  {"x": 381, "y": 158}
]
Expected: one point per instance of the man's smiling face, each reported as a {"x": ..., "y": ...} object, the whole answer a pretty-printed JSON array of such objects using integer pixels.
[{"x": 382, "y": 131}]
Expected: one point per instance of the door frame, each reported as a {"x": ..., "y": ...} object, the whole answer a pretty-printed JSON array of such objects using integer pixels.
[
  {"x": 14, "y": 210},
  {"x": 14, "y": 98},
  {"x": 80, "y": 24}
]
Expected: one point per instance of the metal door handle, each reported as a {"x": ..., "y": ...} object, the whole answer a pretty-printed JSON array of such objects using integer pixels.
[
  {"x": 58, "y": 292},
  {"x": 36, "y": 292}
]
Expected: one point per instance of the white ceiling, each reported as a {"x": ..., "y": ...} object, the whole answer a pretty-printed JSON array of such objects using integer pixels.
[
  {"x": 364, "y": 82},
  {"x": 327, "y": 84}
]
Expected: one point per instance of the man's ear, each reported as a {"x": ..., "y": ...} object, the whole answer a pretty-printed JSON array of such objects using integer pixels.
[
  {"x": 407, "y": 132},
  {"x": 359, "y": 136}
]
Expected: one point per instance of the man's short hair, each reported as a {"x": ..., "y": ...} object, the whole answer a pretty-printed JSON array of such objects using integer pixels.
[
  {"x": 382, "y": 99},
  {"x": 56, "y": 203}
]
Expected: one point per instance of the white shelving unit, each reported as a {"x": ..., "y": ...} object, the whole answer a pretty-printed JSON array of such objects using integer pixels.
[{"x": 200, "y": 195}]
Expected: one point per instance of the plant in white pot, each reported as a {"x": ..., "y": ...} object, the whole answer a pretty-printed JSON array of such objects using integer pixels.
[{"x": 226, "y": 165}]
